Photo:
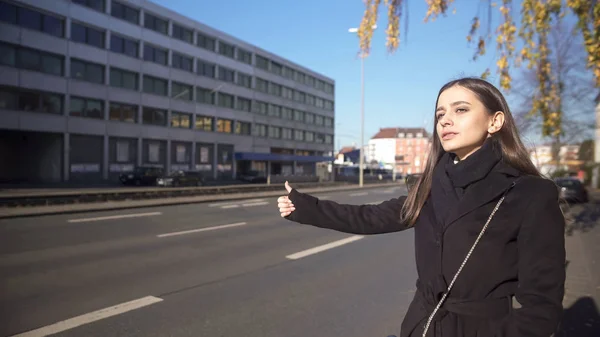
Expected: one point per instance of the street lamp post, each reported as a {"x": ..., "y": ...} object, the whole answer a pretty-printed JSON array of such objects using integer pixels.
[{"x": 361, "y": 165}]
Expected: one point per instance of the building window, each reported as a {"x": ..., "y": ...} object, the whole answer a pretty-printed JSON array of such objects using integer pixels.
[
  {"x": 274, "y": 132},
  {"x": 205, "y": 69},
  {"x": 226, "y": 75},
  {"x": 286, "y": 133},
  {"x": 154, "y": 151},
  {"x": 244, "y": 80},
  {"x": 244, "y": 56},
  {"x": 183, "y": 34},
  {"x": 320, "y": 85},
  {"x": 319, "y": 103},
  {"x": 288, "y": 73},
  {"x": 328, "y": 122},
  {"x": 328, "y": 139},
  {"x": 123, "y": 112},
  {"x": 85, "y": 71},
  {"x": 181, "y": 120},
  {"x": 29, "y": 100},
  {"x": 93, "y": 4},
  {"x": 310, "y": 99},
  {"x": 244, "y": 104},
  {"x": 204, "y": 123},
  {"x": 124, "y": 12},
  {"x": 206, "y": 42},
  {"x": 123, "y": 79},
  {"x": 274, "y": 89},
  {"x": 182, "y": 62},
  {"x": 31, "y": 59},
  {"x": 299, "y": 135},
  {"x": 84, "y": 34},
  {"x": 276, "y": 68},
  {"x": 155, "y": 54},
  {"x": 319, "y": 120},
  {"x": 154, "y": 116},
  {"x": 224, "y": 125},
  {"x": 299, "y": 77},
  {"x": 243, "y": 128},
  {"x": 260, "y": 130},
  {"x": 86, "y": 107},
  {"x": 299, "y": 96},
  {"x": 181, "y": 91},
  {"x": 309, "y": 136},
  {"x": 122, "y": 151},
  {"x": 262, "y": 85},
  {"x": 287, "y": 113},
  {"x": 156, "y": 24},
  {"x": 205, "y": 96},
  {"x": 328, "y": 88},
  {"x": 274, "y": 110},
  {"x": 28, "y": 18},
  {"x": 226, "y": 101},
  {"x": 181, "y": 153},
  {"x": 287, "y": 93},
  {"x": 299, "y": 116},
  {"x": 123, "y": 45},
  {"x": 328, "y": 105},
  {"x": 260, "y": 107},
  {"x": 154, "y": 85},
  {"x": 262, "y": 62},
  {"x": 226, "y": 49},
  {"x": 309, "y": 118},
  {"x": 319, "y": 138}
]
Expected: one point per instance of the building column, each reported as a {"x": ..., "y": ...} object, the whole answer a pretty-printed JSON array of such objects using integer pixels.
[
  {"x": 168, "y": 154},
  {"x": 66, "y": 159},
  {"x": 140, "y": 148},
  {"x": 193, "y": 157},
  {"x": 105, "y": 155},
  {"x": 268, "y": 172},
  {"x": 215, "y": 161}
]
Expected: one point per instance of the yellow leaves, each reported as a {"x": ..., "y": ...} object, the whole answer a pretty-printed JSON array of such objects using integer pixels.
[
  {"x": 486, "y": 74},
  {"x": 435, "y": 8},
  {"x": 502, "y": 63}
]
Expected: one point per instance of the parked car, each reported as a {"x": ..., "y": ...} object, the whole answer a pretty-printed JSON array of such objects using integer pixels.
[
  {"x": 142, "y": 175},
  {"x": 572, "y": 190},
  {"x": 181, "y": 178},
  {"x": 253, "y": 177}
]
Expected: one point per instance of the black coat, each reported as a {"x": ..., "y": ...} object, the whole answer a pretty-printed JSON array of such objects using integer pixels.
[{"x": 521, "y": 254}]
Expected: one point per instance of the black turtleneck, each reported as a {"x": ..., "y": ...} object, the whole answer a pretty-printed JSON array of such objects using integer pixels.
[{"x": 450, "y": 179}]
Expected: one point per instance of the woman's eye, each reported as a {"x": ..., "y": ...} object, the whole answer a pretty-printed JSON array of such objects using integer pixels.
[
  {"x": 461, "y": 110},
  {"x": 439, "y": 116}
]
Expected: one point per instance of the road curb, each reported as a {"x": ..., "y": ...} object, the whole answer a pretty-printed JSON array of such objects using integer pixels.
[{"x": 21, "y": 212}]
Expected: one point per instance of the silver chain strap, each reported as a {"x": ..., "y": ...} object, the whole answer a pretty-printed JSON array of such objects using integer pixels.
[{"x": 437, "y": 307}]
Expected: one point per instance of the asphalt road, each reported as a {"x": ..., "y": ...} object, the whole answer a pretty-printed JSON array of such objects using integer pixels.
[{"x": 222, "y": 269}]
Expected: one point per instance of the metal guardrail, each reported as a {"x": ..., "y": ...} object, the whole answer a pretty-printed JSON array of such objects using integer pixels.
[{"x": 48, "y": 198}]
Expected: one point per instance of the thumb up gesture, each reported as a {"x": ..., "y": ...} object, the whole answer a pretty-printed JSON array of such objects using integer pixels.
[{"x": 286, "y": 207}]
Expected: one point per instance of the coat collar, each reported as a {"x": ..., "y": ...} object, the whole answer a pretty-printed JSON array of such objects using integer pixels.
[{"x": 484, "y": 191}]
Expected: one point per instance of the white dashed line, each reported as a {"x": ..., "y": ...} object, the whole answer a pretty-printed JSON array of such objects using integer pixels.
[
  {"x": 324, "y": 247},
  {"x": 220, "y": 204},
  {"x": 206, "y": 229},
  {"x": 91, "y": 317},
  {"x": 112, "y": 217},
  {"x": 358, "y": 194}
]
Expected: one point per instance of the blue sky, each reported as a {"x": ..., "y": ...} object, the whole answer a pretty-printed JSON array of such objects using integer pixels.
[{"x": 400, "y": 88}]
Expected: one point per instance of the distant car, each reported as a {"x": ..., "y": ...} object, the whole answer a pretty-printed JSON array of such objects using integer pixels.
[
  {"x": 181, "y": 178},
  {"x": 142, "y": 175},
  {"x": 411, "y": 180},
  {"x": 253, "y": 177},
  {"x": 572, "y": 190}
]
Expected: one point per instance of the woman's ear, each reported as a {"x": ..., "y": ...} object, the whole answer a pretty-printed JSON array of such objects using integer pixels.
[{"x": 496, "y": 122}]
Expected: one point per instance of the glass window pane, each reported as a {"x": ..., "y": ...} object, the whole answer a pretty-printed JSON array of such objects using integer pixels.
[
  {"x": 29, "y": 59},
  {"x": 115, "y": 78},
  {"x": 8, "y": 13},
  {"x": 53, "y": 26},
  {"x": 77, "y": 107},
  {"x": 7, "y": 53},
  {"x": 96, "y": 4},
  {"x": 8, "y": 99},
  {"x": 132, "y": 15},
  {"x": 95, "y": 73},
  {"x": 52, "y": 65},
  {"x": 30, "y": 19},
  {"x": 160, "y": 117},
  {"x": 131, "y": 48},
  {"x": 130, "y": 81},
  {"x": 78, "y": 33},
  {"x": 94, "y": 109},
  {"x": 52, "y": 103},
  {"x": 77, "y": 69},
  {"x": 148, "y": 52},
  {"x": 160, "y": 87},
  {"x": 116, "y": 44},
  {"x": 160, "y": 56},
  {"x": 148, "y": 85},
  {"x": 95, "y": 38}
]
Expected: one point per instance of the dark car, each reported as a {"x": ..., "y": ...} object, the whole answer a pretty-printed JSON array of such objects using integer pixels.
[
  {"x": 142, "y": 175},
  {"x": 572, "y": 190},
  {"x": 253, "y": 177},
  {"x": 182, "y": 178},
  {"x": 411, "y": 180}
]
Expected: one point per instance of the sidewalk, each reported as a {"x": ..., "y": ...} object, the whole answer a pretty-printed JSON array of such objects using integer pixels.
[{"x": 582, "y": 288}]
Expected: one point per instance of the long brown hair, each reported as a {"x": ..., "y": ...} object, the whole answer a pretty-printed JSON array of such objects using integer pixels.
[{"x": 507, "y": 139}]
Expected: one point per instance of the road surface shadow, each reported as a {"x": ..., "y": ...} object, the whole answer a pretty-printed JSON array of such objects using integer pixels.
[{"x": 581, "y": 217}]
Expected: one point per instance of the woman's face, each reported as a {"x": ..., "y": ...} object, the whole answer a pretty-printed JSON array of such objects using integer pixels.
[{"x": 462, "y": 121}]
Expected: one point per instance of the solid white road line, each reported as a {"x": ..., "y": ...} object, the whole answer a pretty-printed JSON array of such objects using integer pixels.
[
  {"x": 91, "y": 317},
  {"x": 324, "y": 247},
  {"x": 256, "y": 204},
  {"x": 111, "y": 217},
  {"x": 234, "y": 202},
  {"x": 230, "y": 206},
  {"x": 358, "y": 194},
  {"x": 325, "y": 197},
  {"x": 375, "y": 202},
  {"x": 206, "y": 229}
]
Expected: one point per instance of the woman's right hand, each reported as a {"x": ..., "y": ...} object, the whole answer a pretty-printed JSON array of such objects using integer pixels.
[{"x": 286, "y": 207}]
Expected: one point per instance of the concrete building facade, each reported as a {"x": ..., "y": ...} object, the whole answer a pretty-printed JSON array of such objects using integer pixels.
[{"x": 93, "y": 88}]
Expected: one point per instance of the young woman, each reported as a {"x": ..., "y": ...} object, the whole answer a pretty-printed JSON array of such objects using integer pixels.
[{"x": 477, "y": 168}]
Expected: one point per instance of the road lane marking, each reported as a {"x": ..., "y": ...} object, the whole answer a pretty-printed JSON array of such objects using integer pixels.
[
  {"x": 256, "y": 204},
  {"x": 325, "y": 197},
  {"x": 111, "y": 217},
  {"x": 220, "y": 204},
  {"x": 358, "y": 194},
  {"x": 324, "y": 247},
  {"x": 375, "y": 202},
  {"x": 230, "y": 206},
  {"x": 206, "y": 229},
  {"x": 91, "y": 317}
]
